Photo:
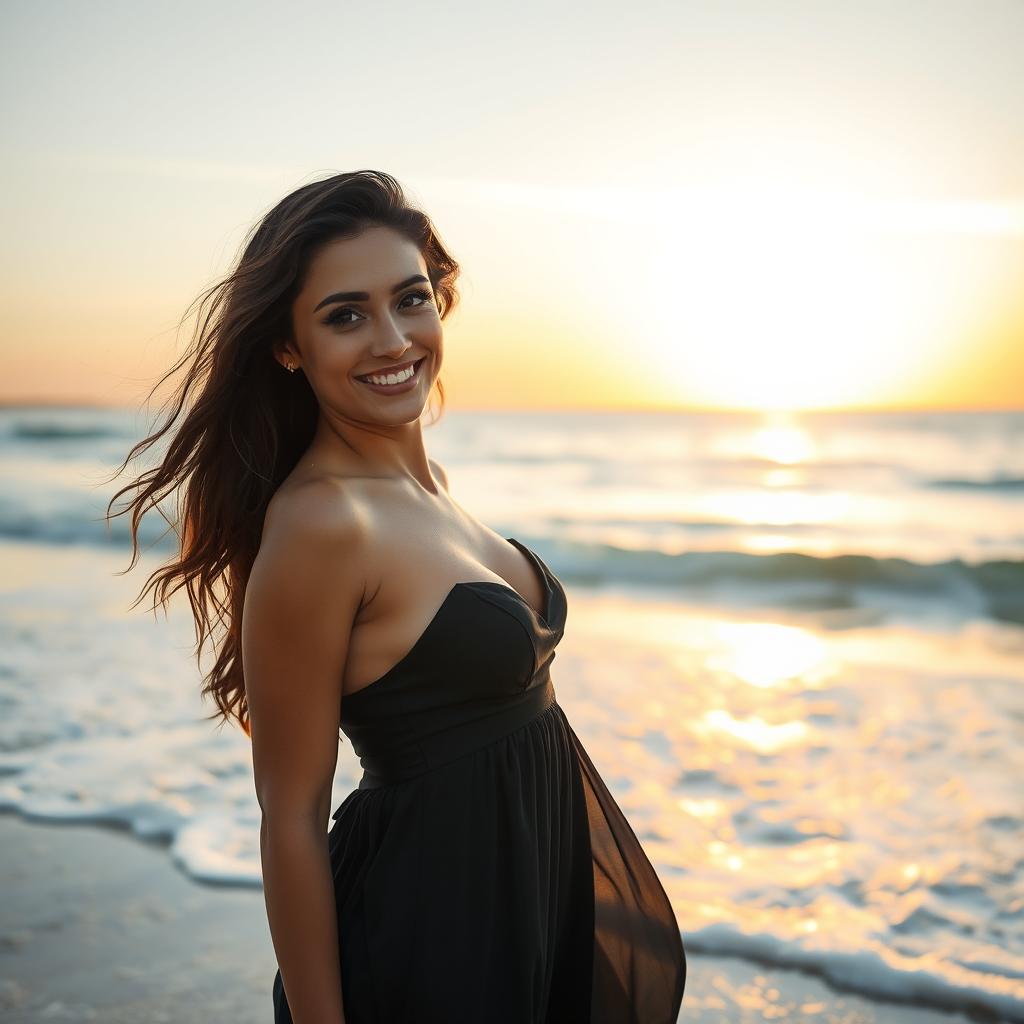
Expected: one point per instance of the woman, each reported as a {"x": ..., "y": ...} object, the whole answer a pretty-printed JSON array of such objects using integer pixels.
[{"x": 481, "y": 871}]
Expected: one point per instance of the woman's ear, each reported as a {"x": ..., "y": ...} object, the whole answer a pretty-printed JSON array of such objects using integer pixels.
[{"x": 285, "y": 356}]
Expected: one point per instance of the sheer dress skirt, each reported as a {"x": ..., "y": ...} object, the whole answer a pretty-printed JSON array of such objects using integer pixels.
[{"x": 506, "y": 886}]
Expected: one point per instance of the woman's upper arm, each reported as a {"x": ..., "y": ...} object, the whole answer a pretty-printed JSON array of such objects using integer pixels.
[{"x": 302, "y": 596}]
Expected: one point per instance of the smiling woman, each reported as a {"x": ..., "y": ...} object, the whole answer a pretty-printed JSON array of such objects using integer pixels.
[
  {"x": 390, "y": 378},
  {"x": 360, "y": 595},
  {"x": 384, "y": 341}
]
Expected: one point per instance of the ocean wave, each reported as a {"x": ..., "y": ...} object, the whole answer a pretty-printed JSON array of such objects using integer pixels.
[
  {"x": 983, "y": 991},
  {"x": 52, "y": 431},
  {"x": 993, "y": 589},
  {"x": 998, "y": 483},
  {"x": 791, "y": 580}
]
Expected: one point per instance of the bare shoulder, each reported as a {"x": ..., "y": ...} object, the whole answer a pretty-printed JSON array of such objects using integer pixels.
[
  {"x": 313, "y": 515},
  {"x": 439, "y": 472},
  {"x": 311, "y": 529},
  {"x": 306, "y": 587},
  {"x": 309, "y": 575}
]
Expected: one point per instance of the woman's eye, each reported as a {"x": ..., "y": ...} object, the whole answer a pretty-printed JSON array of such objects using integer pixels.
[
  {"x": 420, "y": 293},
  {"x": 336, "y": 316}
]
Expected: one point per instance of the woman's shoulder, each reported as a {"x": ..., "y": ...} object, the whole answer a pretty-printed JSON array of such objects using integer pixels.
[
  {"x": 328, "y": 513},
  {"x": 312, "y": 555},
  {"x": 317, "y": 514}
]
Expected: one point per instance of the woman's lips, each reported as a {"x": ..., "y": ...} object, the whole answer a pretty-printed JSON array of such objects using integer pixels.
[
  {"x": 384, "y": 371},
  {"x": 405, "y": 385}
]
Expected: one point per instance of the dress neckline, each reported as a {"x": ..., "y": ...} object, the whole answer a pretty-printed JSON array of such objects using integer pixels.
[{"x": 543, "y": 617}]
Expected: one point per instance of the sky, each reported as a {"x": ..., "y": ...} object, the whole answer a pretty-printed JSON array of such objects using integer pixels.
[{"x": 718, "y": 205}]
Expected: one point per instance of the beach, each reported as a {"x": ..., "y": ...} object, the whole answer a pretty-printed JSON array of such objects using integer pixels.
[
  {"x": 813, "y": 727},
  {"x": 99, "y": 925}
]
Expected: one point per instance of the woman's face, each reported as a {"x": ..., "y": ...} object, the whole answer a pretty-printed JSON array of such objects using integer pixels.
[{"x": 367, "y": 307}]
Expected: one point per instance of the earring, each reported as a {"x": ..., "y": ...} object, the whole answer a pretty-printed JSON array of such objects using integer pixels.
[{"x": 292, "y": 367}]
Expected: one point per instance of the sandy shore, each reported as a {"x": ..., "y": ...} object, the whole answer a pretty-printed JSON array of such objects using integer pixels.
[{"x": 98, "y": 925}]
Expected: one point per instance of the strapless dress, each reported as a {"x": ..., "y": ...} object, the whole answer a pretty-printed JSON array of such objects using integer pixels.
[{"x": 483, "y": 872}]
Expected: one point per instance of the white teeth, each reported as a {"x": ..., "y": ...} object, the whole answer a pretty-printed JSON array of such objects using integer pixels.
[{"x": 392, "y": 378}]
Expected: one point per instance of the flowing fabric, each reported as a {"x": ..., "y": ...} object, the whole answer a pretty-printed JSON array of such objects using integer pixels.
[{"x": 483, "y": 872}]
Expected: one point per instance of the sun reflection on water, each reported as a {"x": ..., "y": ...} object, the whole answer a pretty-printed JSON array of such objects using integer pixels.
[{"x": 766, "y": 654}]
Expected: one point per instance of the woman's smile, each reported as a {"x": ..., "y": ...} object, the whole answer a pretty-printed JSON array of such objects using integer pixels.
[{"x": 397, "y": 381}]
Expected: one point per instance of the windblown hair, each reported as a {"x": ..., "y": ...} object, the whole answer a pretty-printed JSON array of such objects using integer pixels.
[{"x": 244, "y": 420}]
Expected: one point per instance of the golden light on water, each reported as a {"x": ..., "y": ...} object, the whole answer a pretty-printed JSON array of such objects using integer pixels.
[
  {"x": 782, "y": 508},
  {"x": 755, "y": 732},
  {"x": 778, "y": 437},
  {"x": 766, "y": 654},
  {"x": 707, "y": 809},
  {"x": 781, "y": 443}
]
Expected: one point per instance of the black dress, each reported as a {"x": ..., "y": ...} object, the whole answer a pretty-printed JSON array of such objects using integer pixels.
[{"x": 483, "y": 872}]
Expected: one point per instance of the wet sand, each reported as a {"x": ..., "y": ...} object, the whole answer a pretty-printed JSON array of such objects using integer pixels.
[{"x": 98, "y": 925}]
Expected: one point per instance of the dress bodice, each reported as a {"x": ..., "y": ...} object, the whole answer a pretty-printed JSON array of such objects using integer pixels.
[{"x": 479, "y": 670}]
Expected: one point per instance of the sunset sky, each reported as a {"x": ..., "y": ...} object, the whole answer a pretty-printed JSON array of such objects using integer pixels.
[{"x": 693, "y": 205}]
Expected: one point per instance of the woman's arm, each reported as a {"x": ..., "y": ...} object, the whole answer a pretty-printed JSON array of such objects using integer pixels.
[{"x": 302, "y": 596}]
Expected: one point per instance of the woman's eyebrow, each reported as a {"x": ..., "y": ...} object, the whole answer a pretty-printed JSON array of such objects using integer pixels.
[{"x": 364, "y": 296}]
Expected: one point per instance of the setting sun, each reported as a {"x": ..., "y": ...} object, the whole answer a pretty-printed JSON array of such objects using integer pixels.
[{"x": 761, "y": 300}]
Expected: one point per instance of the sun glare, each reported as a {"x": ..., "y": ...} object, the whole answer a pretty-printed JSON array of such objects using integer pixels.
[{"x": 794, "y": 301}]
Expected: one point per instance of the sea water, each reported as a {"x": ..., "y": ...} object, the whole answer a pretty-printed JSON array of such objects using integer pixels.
[{"x": 794, "y": 650}]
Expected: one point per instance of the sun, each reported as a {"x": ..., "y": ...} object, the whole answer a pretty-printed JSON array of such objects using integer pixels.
[{"x": 790, "y": 301}]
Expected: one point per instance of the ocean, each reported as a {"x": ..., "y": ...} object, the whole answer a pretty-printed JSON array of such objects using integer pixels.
[{"x": 794, "y": 650}]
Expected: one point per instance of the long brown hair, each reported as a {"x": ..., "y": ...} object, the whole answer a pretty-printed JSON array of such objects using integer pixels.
[{"x": 245, "y": 421}]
